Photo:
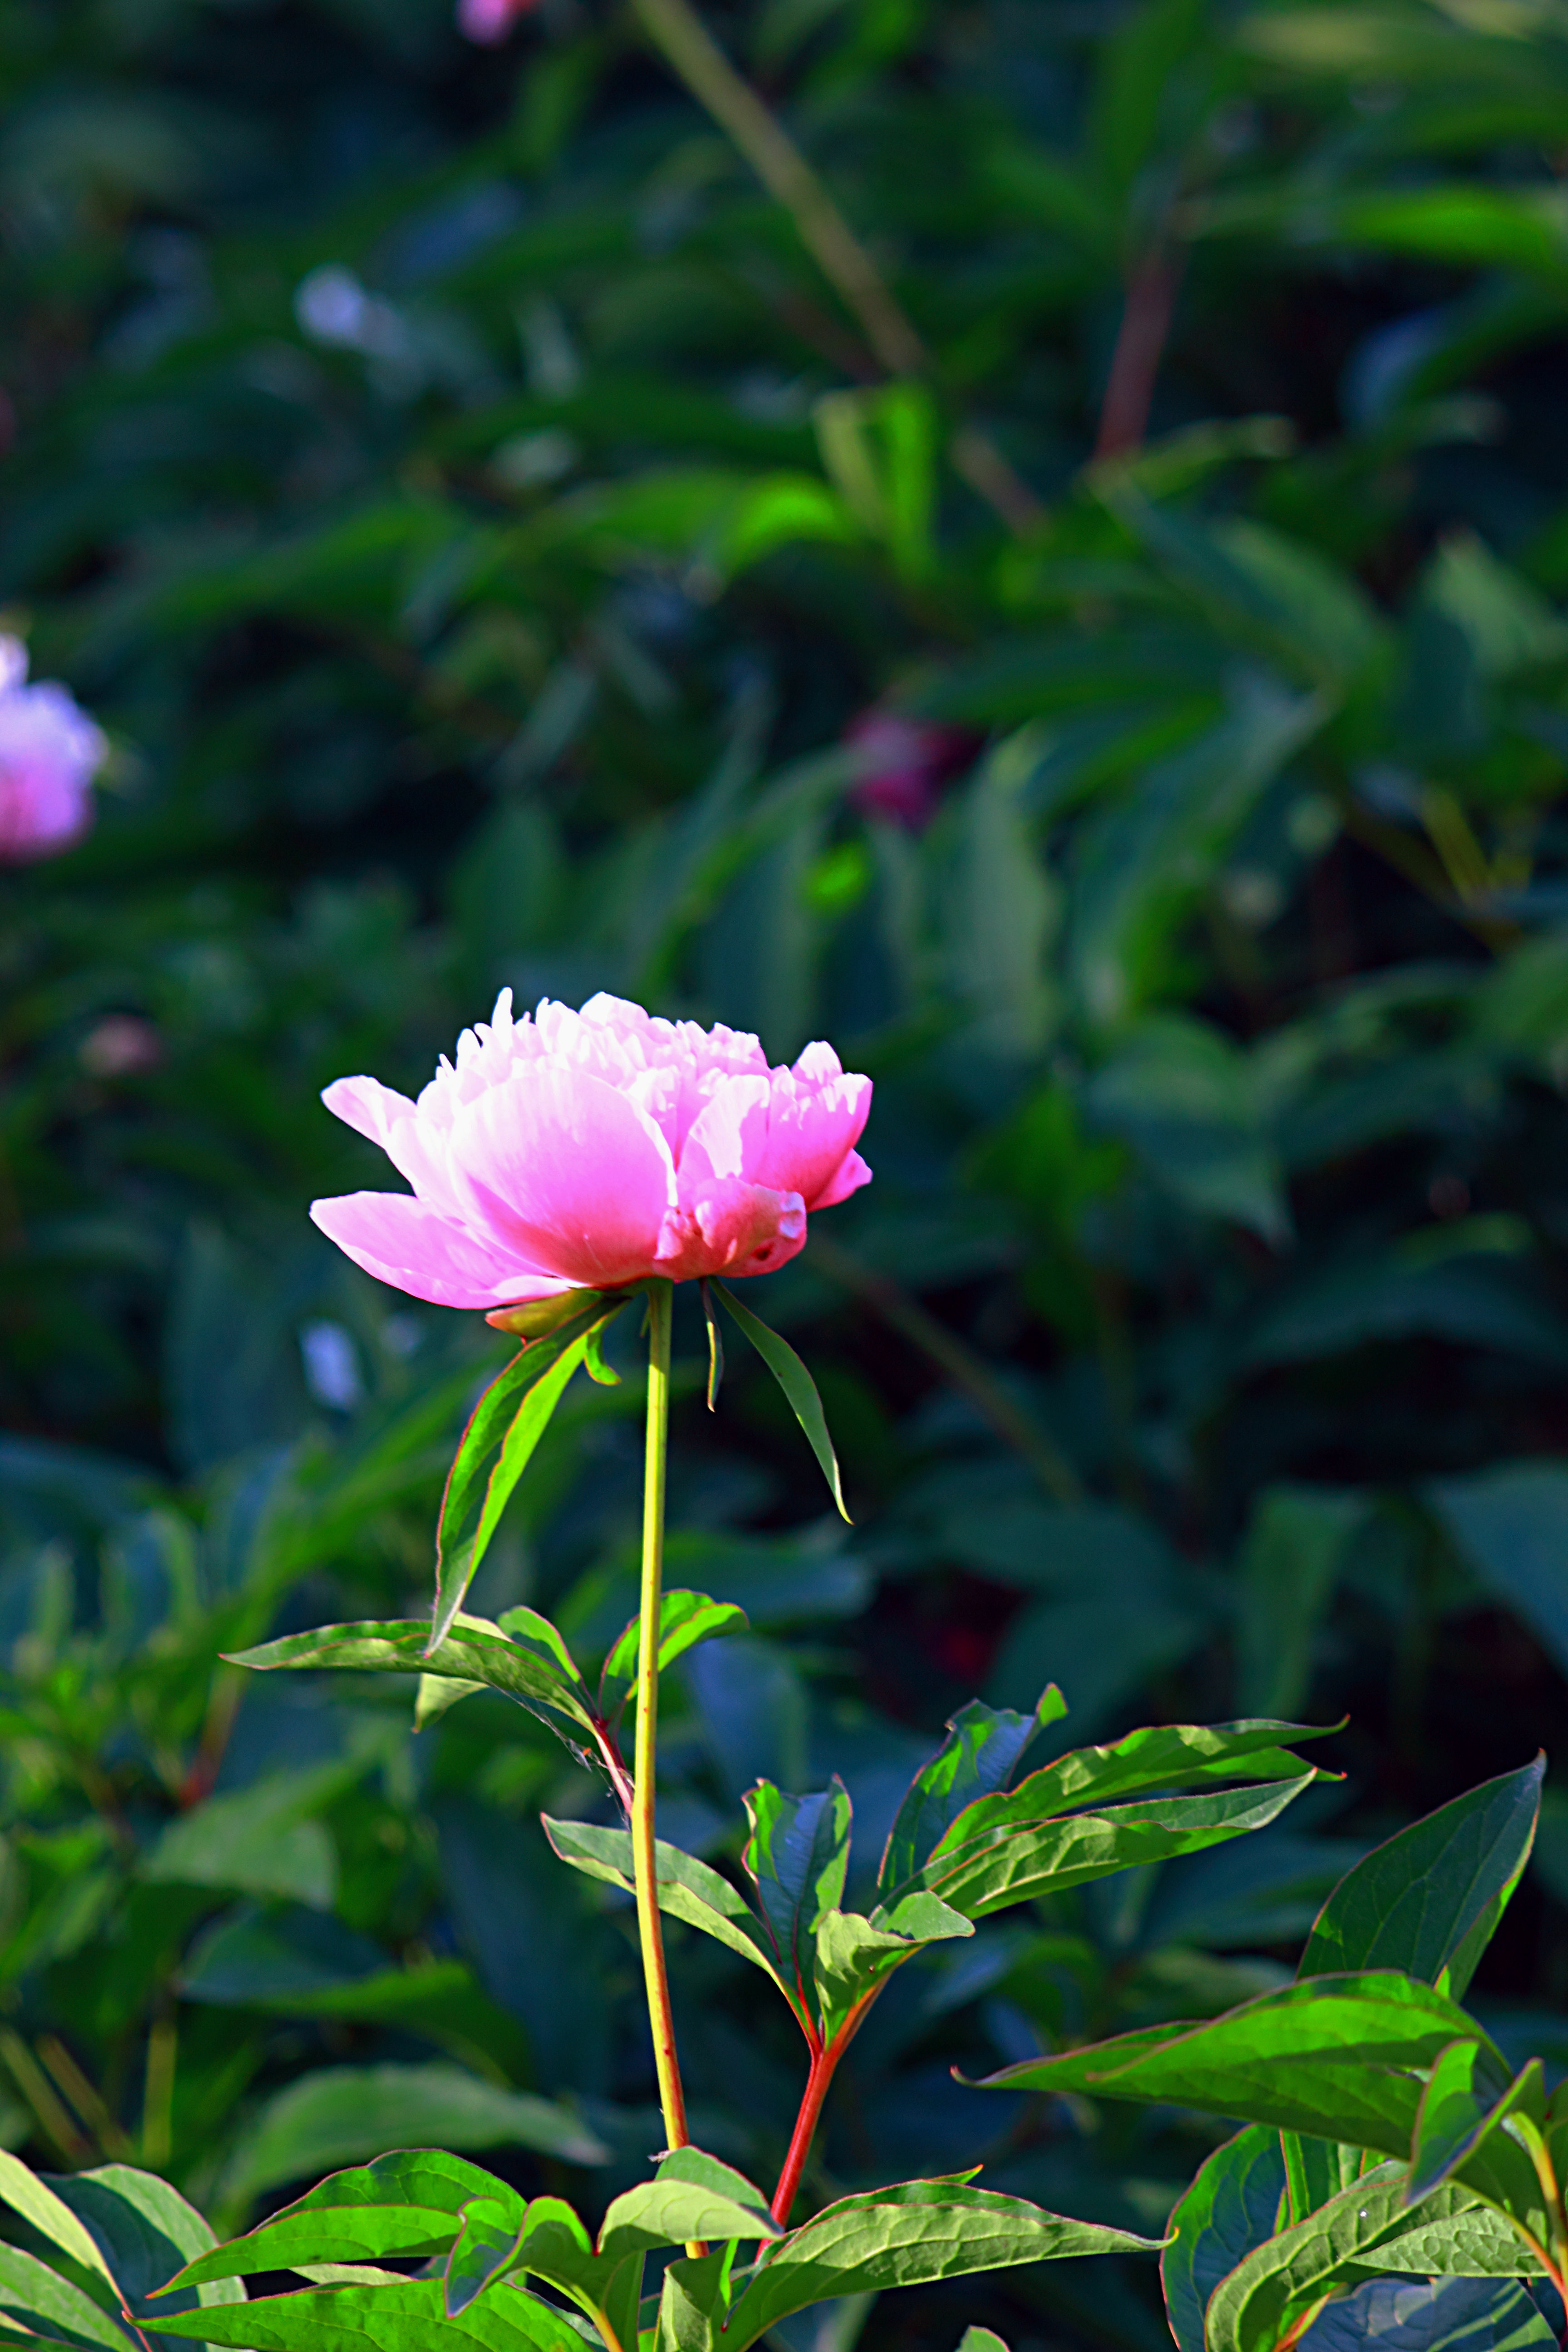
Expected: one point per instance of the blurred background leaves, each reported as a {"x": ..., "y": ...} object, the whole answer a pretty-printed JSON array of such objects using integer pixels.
[{"x": 1132, "y": 729}]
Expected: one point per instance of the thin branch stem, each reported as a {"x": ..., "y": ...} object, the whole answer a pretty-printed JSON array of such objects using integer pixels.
[
  {"x": 1135, "y": 362},
  {"x": 825, "y": 2058},
  {"x": 650, "y": 1931},
  {"x": 685, "y": 40}
]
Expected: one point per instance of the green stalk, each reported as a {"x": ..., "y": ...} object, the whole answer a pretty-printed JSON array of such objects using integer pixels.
[{"x": 651, "y": 1930}]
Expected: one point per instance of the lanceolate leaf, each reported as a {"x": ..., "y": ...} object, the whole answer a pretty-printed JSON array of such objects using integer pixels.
[
  {"x": 1162, "y": 1758},
  {"x": 1231, "y": 2207},
  {"x": 684, "y": 1620},
  {"x": 1429, "y": 1900},
  {"x": 798, "y": 1854},
  {"x": 1332, "y": 2056},
  {"x": 982, "y": 1745},
  {"x": 1439, "y": 2314},
  {"x": 409, "y": 2202},
  {"x": 37, "y": 2302},
  {"x": 22, "y": 2189},
  {"x": 409, "y": 2317},
  {"x": 473, "y": 1651},
  {"x": 692, "y": 2195},
  {"x": 1465, "y": 2101},
  {"x": 1274, "y": 2286},
  {"x": 488, "y": 1425},
  {"x": 456, "y": 1568},
  {"x": 903, "y": 2237},
  {"x": 799, "y": 1387},
  {"x": 988, "y": 1873},
  {"x": 687, "y": 1889},
  {"x": 855, "y": 1955}
]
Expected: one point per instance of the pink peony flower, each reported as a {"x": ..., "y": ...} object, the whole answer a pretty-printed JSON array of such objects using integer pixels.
[
  {"x": 49, "y": 753},
  {"x": 581, "y": 1150},
  {"x": 902, "y": 764},
  {"x": 489, "y": 21}
]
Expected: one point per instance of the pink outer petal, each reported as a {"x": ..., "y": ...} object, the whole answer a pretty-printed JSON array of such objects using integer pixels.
[
  {"x": 811, "y": 1129},
  {"x": 365, "y": 1105},
  {"x": 402, "y": 1241},
  {"x": 558, "y": 1171},
  {"x": 728, "y": 1138},
  {"x": 853, "y": 1172},
  {"x": 732, "y": 1227}
]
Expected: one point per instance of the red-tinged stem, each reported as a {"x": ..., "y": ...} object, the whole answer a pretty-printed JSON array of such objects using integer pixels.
[
  {"x": 825, "y": 2058},
  {"x": 610, "y": 1756},
  {"x": 1135, "y": 364}
]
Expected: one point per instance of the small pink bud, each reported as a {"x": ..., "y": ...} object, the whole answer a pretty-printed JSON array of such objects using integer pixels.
[
  {"x": 489, "y": 21},
  {"x": 49, "y": 753},
  {"x": 902, "y": 764}
]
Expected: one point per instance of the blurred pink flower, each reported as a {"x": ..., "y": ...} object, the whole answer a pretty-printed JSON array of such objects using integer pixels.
[
  {"x": 49, "y": 753},
  {"x": 489, "y": 21},
  {"x": 902, "y": 764},
  {"x": 581, "y": 1150}
]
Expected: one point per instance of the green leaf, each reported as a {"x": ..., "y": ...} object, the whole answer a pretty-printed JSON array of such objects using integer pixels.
[
  {"x": 1440, "y": 2315},
  {"x": 409, "y": 2202},
  {"x": 486, "y": 1428},
  {"x": 1273, "y": 2288},
  {"x": 1185, "y": 1098},
  {"x": 1429, "y": 1901},
  {"x": 1231, "y": 2207},
  {"x": 406, "y": 2317},
  {"x": 489, "y": 2239},
  {"x": 855, "y": 1956},
  {"x": 340, "y": 2114},
  {"x": 1296, "y": 1542},
  {"x": 144, "y": 2228},
  {"x": 1512, "y": 1525},
  {"x": 799, "y": 1387},
  {"x": 256, "y": 1841},
  {"x": 1465, "y": 2098},
  {"x": 475, "y": 1651},
  {"x": 693, "y": 2195},
  {"x": 687, "y": 1889},
  {"x": 546, "y": 1382},
  {"x": 1335, "y": 2056},
  {"x": 906, "y": 2236},
  {"x": 47, "y": 2211},
  {"x": 556, "y": 2248},
  {"x": 1163, "y": 1757},
  {"x": 982, "y": 1745},
  {"x": 987, "y": 1873},
  {"x": 38, "y": 2302},
  {"x": 798, "y": 1854},
  {"x": 684, "y": 1620}
]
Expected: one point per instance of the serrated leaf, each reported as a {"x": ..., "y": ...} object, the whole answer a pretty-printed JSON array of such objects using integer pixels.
[
  {"x": 684, "y": 1620},
  {"x": 409, "y": 2202},
  {"x": 1429, "y": 1899},
  {"x": 692, "y": 2195},
  {"x": 987, "y": 1873},
  {"x": 799, "y": 1389},
  {"x": 1231, "y": 2207},
  {"x": 798, "y": 1854},
  {"x": 474, "y": 1652},
  {"x": 982, "y": 1745},
  {"x": 1335, "y": 2056},
  {"x": 906, "y": 2236},
  {"x": 406, "y": 2317}
]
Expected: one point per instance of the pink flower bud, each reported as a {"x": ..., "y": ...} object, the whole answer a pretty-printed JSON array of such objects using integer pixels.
[
  {"x": 902, "y": 764},
  {"x": 489, "y": 21},
  {"x": 585, "y": 1150},
  {"x": 49, "y": 753}
]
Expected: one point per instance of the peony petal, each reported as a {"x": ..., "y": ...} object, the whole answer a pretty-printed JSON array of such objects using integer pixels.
[
  {"x": 728, "y": 1138},
  {"x": 402, "y": 1241},
  {"x": 732, "y": 1227},
  {"x": 853, "y": 1172},
  {"x": 558, "y": 1170},
  {"x": 811, "y": 1131},
  {"x": 367, "y": 1106}
]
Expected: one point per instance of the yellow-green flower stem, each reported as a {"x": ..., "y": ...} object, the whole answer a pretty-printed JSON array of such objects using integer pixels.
[{"x": 650, "y": 1932}]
